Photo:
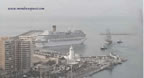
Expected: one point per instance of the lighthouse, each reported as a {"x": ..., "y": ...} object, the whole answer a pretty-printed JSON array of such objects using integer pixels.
[
  {"x": 71, "y": 55},
  {"x": 72, "y": 58}
]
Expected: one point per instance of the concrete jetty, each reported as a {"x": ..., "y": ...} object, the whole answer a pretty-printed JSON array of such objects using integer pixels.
[
  {"x": 87, "y": 66},
  {"x": 95, "y": 64}
]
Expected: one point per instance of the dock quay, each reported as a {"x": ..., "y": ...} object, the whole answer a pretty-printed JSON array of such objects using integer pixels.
[
  {"x": 87, "y": 66},
  {"x": 96, "y": 64}
]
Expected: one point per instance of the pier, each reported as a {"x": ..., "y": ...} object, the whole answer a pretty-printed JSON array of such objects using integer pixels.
[
  {"x": 87, "y": 66},
  {"x": 93, "y": 65}
]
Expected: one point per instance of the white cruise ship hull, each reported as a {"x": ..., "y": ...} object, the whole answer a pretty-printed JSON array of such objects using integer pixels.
[{"x": 60, "y": 43}]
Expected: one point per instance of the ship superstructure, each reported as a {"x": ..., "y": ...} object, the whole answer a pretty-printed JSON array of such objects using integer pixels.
[{"x": 54, "y": 38}]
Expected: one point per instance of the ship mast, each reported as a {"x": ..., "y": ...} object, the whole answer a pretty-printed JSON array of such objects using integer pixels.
[{"x": 108, "y": 36}]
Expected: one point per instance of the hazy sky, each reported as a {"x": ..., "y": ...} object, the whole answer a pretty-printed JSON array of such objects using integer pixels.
[{"x": 69, "y": 8}]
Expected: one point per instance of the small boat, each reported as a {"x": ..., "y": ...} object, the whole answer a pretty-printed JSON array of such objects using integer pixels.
[
  {"x": 119, "y": 41},
  {"x": 103, "y": 47}
]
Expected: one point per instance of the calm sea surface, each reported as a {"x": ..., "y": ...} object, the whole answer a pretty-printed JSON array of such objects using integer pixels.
[{"x": 131, "y": 48}]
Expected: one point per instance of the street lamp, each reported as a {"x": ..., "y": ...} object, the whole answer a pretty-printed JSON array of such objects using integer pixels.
[{"x": 71, "y": 64}]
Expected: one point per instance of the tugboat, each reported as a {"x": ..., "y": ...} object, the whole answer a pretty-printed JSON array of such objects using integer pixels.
[
  {"x": 104, "y": 47},
  {"x": 119, "y": 42}
]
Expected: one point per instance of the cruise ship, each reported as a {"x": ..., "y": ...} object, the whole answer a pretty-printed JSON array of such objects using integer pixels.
[{"x": 55, "y": 38}]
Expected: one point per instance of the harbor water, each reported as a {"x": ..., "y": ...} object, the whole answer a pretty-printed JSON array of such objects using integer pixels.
[{"x": 131, "y": 48}]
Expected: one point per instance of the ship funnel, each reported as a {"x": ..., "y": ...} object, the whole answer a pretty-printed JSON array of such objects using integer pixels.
[{"x": 54, "y": 28}]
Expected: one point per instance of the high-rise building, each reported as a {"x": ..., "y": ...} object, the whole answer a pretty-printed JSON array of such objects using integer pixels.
[
  {"x": 9, "y": 55},
  {"x": 18, "y": 54},
  {"x": 2, "y": 52}
]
